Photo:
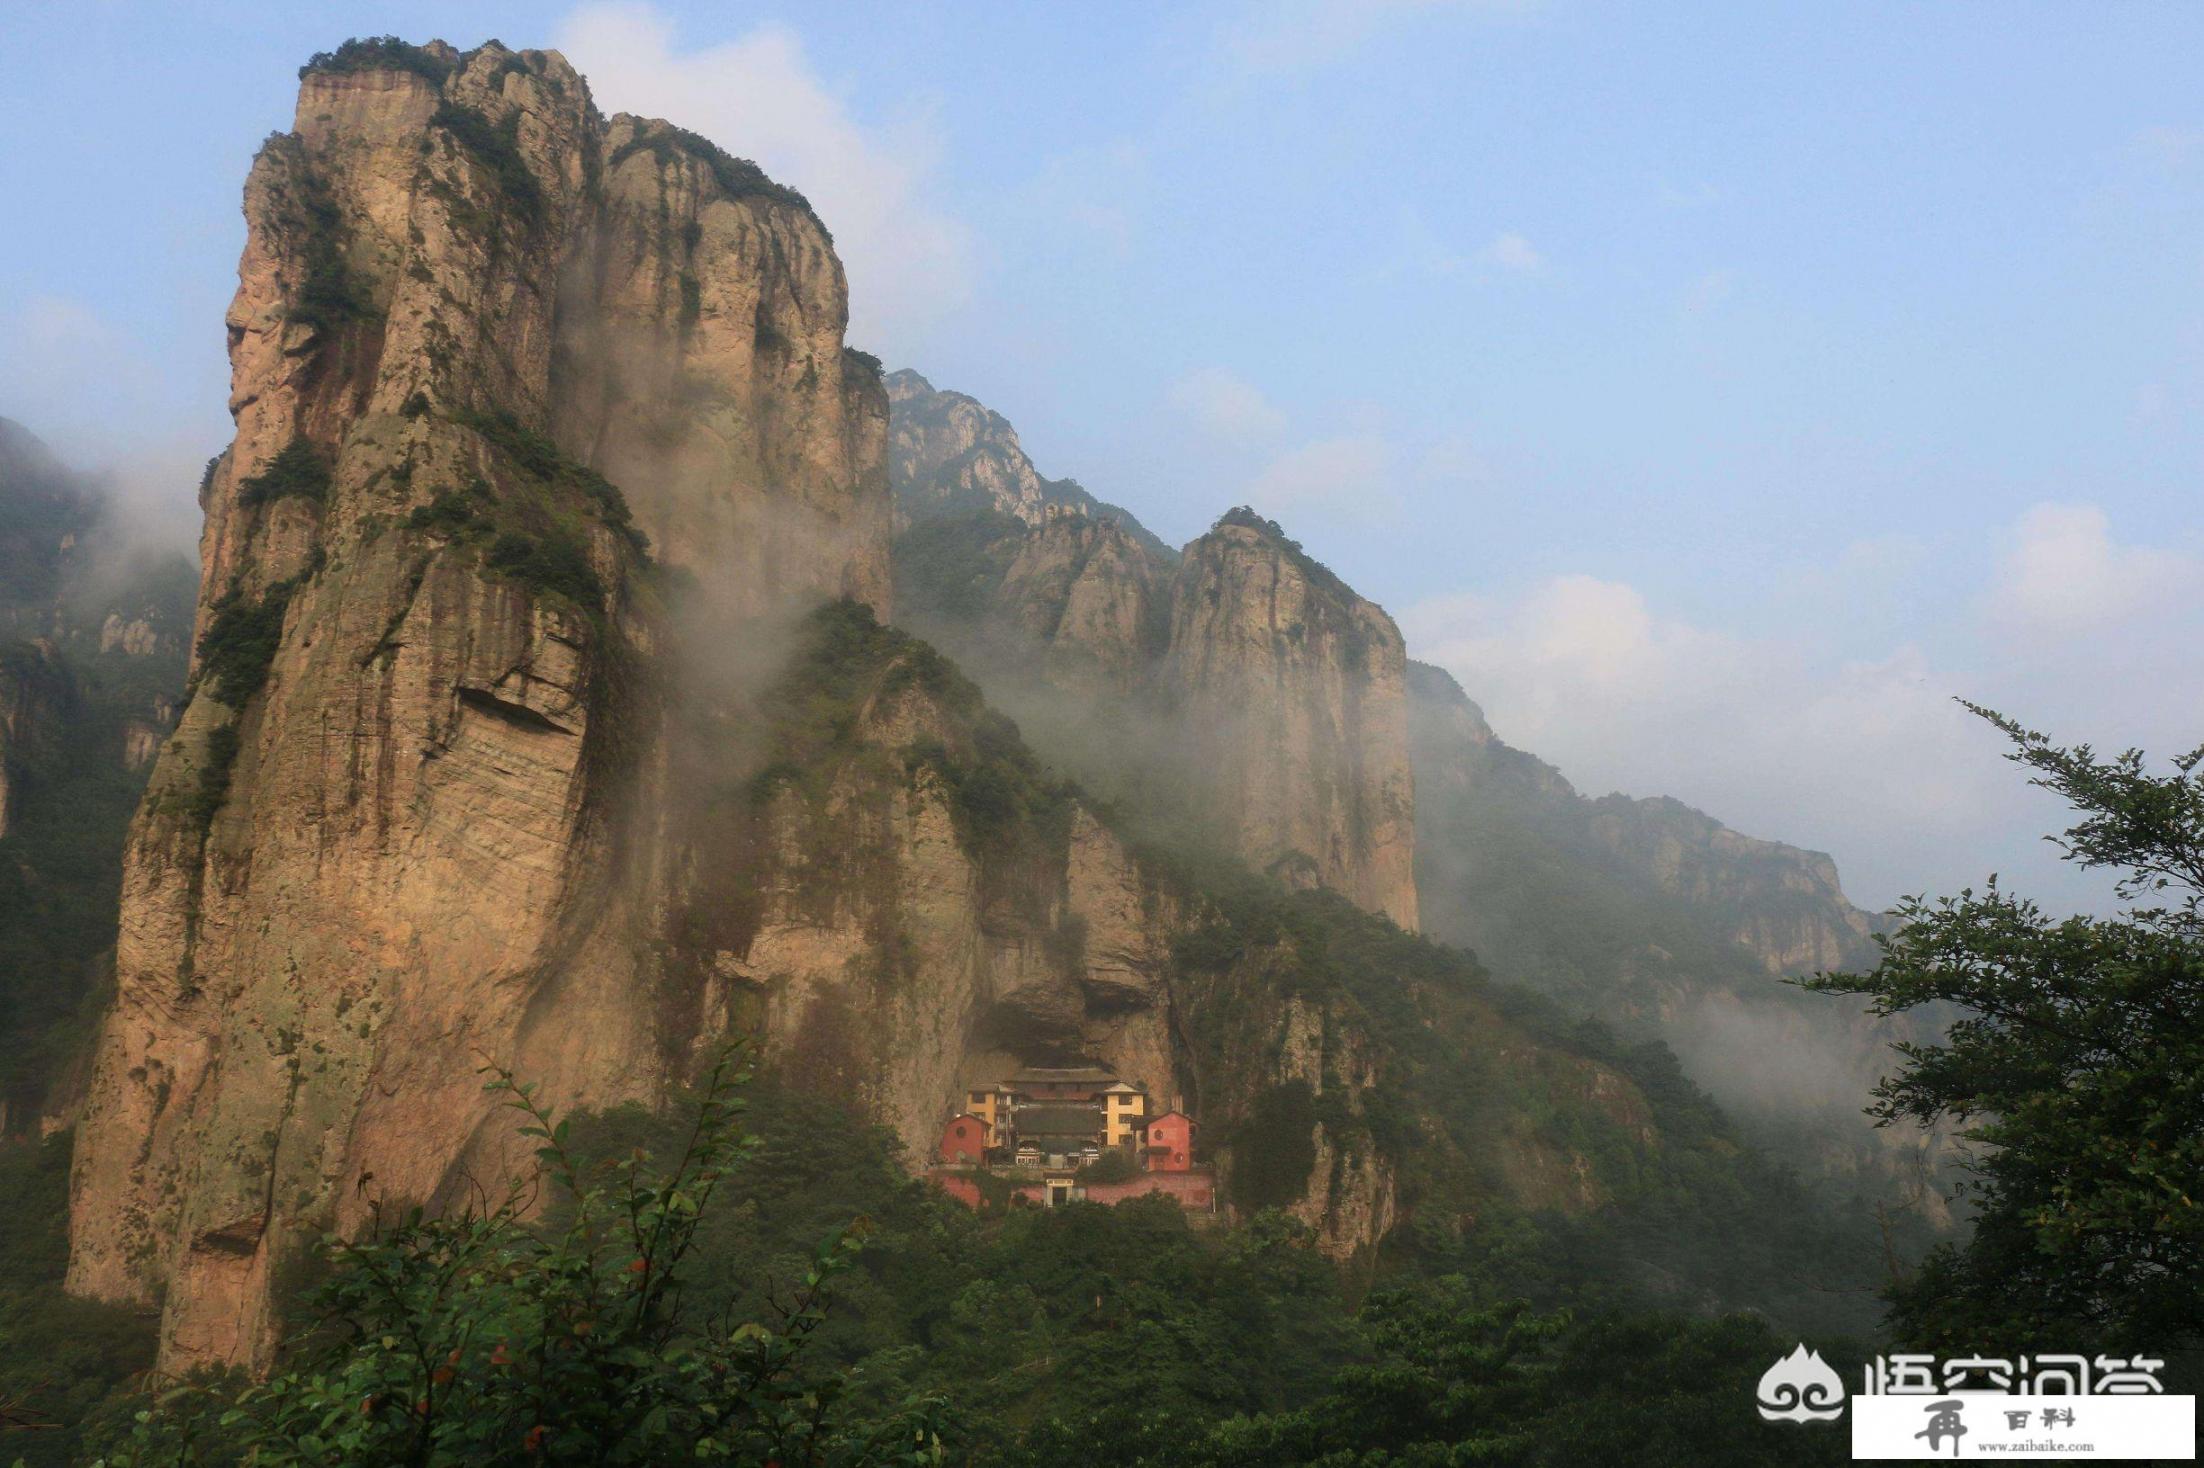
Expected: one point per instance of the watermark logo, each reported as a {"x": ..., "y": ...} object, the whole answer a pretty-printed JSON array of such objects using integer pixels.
[{"x": 1801, "y": 1388}]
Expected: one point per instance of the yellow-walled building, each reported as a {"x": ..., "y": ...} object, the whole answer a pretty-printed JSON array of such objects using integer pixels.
[
  {"x": 1124, "y": 1114},
  {"x": 991, "y": 1104}
]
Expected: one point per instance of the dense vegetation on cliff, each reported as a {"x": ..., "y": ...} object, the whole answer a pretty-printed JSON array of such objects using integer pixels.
[{"x": 927, "y": 1334}]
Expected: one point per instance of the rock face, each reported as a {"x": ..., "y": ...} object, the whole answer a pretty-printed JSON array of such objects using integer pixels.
[
  {"x": 410, "y": 816},
  {"x": 1292, "y": 689},
  {"x": 542, "y": 717},
  {"x": 1238, "y": 684},
  {"x": 951, "y": 455},
  {"x": 469, "y": 775},
  {"x": 1658, "y": 918}
]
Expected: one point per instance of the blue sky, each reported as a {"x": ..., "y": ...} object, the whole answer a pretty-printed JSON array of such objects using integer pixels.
[{"x": 1717, "y": 390}]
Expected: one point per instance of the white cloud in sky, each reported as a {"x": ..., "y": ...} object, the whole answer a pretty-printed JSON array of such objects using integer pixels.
[
  {"x": 1853, "y": 756},
  {"x": 1346, "y": 476},
  {"x": 757, "y": 96},
  {"x": 1227, "y": 407},
  {"x": 1510, "y": 251},
  {"x": 1778, "y": 734},
  {"x": 93, "y": 393},
  {"x": 2064, "y": 575}
]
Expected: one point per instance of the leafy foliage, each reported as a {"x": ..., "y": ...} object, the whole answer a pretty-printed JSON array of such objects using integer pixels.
[
  {"x": 557, "y": 563},
  {"x": 298, "y": 471},
  {"x": 1443, "y": 1376},
  {"x": 217, "y": 760},
  {"x": 239, "y": 646},
  {"x": 2079, "y": 1067},
  {"x": 379, "y": 53},
  {"x": 496, "y": 147},
  {"x": 64, "y": 1362},
  {"x": 738, "y": 178},
  {"x": 472, "y": 1338},
  {"x": 329, "y": 295},
  {"x": 545, "y": 463}
]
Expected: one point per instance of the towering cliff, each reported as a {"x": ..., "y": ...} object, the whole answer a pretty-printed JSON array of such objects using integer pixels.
[
  {"x": 542, "y": 715},
  {"x": 1236, "y": 689},
  {"x": 509, "y": 738},
  {"x": 952, "y": 455},
  {"x": 1291, "y": 689},
  {"x": 410, "y": 814},
  {"x": 1238, "y": 694}
]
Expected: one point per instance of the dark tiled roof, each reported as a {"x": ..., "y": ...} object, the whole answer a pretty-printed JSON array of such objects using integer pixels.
[
  {"x": 1065, "y": 1076},
  {"x": 1083, "y": 1122}
]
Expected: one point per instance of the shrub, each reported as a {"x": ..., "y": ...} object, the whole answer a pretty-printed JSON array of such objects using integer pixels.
[
  {"x": 556, "y": 563},
  {"x": 299, "y": 471},
  {"x": 240, "y": 643},
  {"x": 379, "y": 53},
  {"x": 474, "y": 1338},
  {"x": 738, "y": 178},
  {"x": 496, "y": 146},
  {"x": 1113, "y": 1166},
  {"x": 218, "y": 759},
  {"x": 537, "y": 457},
  {"x": 453, "y": 510}
]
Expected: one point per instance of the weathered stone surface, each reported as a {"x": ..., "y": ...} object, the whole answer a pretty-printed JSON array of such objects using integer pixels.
[
  {"x": 1291, "y": 688},
  {"x": 951, "y": 454},
  {"x": 431, "y": 847},
  {"x": 1250, "y": 689},
  {"x": 467, "y": 778}
]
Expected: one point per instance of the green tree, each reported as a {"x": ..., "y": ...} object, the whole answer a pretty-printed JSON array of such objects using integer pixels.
[
  {"x": 473, "y": 1338},
  {"x": 2077, "y": 1066}
]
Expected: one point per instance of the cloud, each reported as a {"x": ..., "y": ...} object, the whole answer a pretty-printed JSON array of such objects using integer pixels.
[
  {"x": 1512, "y": 252},
  {"x": 909, "y": 263},
  {"x": 1868, "y": 758},
  {"x": 2063, "y": 575},
  {"x": 1348, "y": 474},
  {"x": 1287, "y": 36},
  {"x": 1227, "y": 407}
]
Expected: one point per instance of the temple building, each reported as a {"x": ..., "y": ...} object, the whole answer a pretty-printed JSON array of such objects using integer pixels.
[{"x": 1050, "y": 1133}]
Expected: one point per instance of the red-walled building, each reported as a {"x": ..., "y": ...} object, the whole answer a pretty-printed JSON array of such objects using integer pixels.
[
  {"x": 963, "y": 1141},
  {"x": 1171, "y": 1142}
]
